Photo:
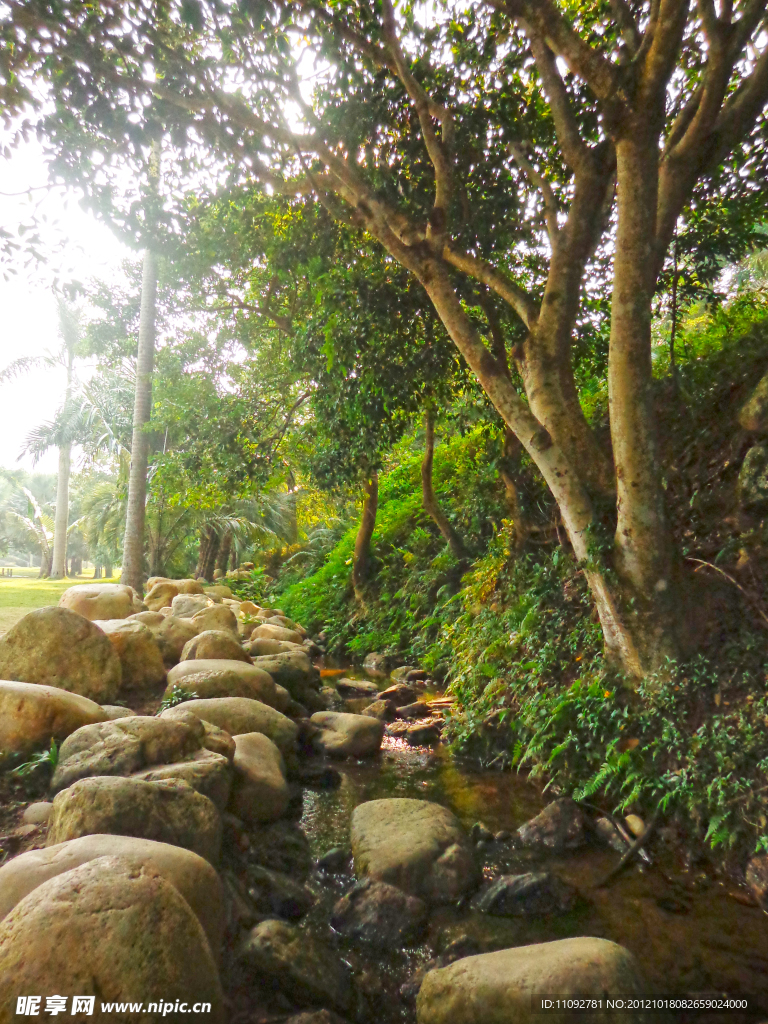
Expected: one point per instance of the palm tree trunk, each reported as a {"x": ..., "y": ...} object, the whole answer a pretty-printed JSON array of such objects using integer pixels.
[
  {"x": 61, "y": 523},
  {"x": 133, "y": 544},
  {"x": 222, "y": 559}
]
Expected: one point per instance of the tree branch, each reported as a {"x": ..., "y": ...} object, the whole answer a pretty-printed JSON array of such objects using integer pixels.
[{"x": 538, "y": 179}]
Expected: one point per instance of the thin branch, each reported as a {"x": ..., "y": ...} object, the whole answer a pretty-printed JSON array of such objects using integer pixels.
[
  {"x": 701, "y": 563},
  {"x": 547, "y": 195},
  {"x": 518, "y": 298}
]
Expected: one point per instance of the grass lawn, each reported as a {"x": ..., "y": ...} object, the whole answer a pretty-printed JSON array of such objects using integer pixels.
[{"x": 18, "y": 595}]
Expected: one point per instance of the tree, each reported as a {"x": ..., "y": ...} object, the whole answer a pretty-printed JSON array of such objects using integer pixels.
[
  {"x": 132, "y": 572},
  {"x": 520, "y": 146}
]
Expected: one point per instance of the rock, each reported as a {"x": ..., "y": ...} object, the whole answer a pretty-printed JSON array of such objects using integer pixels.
[
  {"x": 168, "y": 812},
  {"x": 380, "y": 915},
  {"x": 237, "y": 715},
  {"x": 416, "y": 675},
  {"x": 215, "y": 644},
  {"x": 260, "y": 791},
  {"x": 58, "y": 647},
  {"x": 122, "y": 747},
  {"x": 186, "y": 606},
  {"x": 356, "y": 688},
  {"x": 384, "y": 710},
  {"x": 399, "y": 674},
  {"x": 416, "y": 845},
  {"x": 376, "y": 665},
  {"x": 277, "y": 894},
  {"x": 753, "y": 479},
  {"x": 139, "y": 654},
  {"x": 215, "y": 739},
  {"x": 502, "y": 836},
  {"x": 161, "y": 595},
  {"x": 150, "y": 619},
  {"x": 262, "y": 647},
  {"x": 31, "y": 715},
  {"x": 286, "y": 705},
  {"x": 357, "y": 705},
  {"x": 205, "y": 771},
  {"x": 333, "y": 700},
  {"x": 219, "y": 591},
  {"x": 100, "y": 600},
  {"x": 113, "y": 928},
  {"x": 298, "y": 964},
  {"x": 497, "y": 988},
  {"x": 336, "y": 860},
  {"x": 320, "y": 1017},
  {"x": 400, "y": 694},
  {"x": 270, "y": 631},
  {"x": 220, "y": 677},
  {"x": 560, "y": 826},
  {"x": 37, "y": 813},
  {"x": 417, "y": 710},
  {"x": 114, "y": 711},
  {"x": 397, "y": 729},
  {"x": 172, "y": 635},
  {"x": 283, "y": 620},
  {"x": 344, "y": 735},
  {"x": 530, "y": 895},
  {"x": 218, "y": 617},
  {"x": 281, "y": 846},
  {"x": 757, "y": 879},
  {"x": 480, "y": 831},
  {"x": 189, "y": 587},
  {"x": 607, "y": 833},
  {"x": 194, "y": 877},
  {"x": 294, "y": 671},
  {"x": 423, "y": 735}
]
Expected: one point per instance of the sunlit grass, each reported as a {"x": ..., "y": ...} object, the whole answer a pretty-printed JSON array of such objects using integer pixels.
[{"x": 19, "y": 594}]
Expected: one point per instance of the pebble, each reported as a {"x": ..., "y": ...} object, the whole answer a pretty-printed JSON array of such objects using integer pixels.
[{"x": 335, "y": 860}]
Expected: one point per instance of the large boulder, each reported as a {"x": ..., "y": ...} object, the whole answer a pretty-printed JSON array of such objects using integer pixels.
[
  {"x": 220, "y": 677},
  {"x": 139, "y": 654},
  {"x": 206, "y": 771},
  {"x": 273, "y": 631},
  {"x": 161, "y": 595},
  {"x": 377, "y": 665},
  {"x": 505, "y": 986},
  {"x": 168, "y": 812},
  {"x": 115, "y": 929},
  {"x": 215, "y": 644},
  {"x": 124, "y": 746},
  {"x": 343, "y": 735},
  {"x": 58, "y": 647},
  {"x": 534, "y": 894},
  {"x": 297, "y": 963},
  {"x": 218, "y": 592},
  {"x": 294, "y": 671},
  {"x": 416, "y": 845},
  {"x": 189, "y": 586},
  {"x": 101, "y": 600},
  {"x": 32, "y": 715},
  {"x": 286, "y": 623},
  {"x": 185, "y": 606},
  {"x": 380, "y": 915},
  {"x": 218, "y": 617},
  {"x": 214, "y": 738},
  {"x": 172, "y": 635},
  {"x": 194, "y": 877},
  {"x": 260, "y": 791},
  {"x": 238, "y": 715}
]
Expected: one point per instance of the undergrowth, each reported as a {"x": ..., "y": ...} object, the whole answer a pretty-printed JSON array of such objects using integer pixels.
[{"x": 516, "y": 639}]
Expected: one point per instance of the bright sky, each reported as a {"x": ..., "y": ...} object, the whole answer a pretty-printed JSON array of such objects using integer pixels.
[{"x": 28, "y": 319}]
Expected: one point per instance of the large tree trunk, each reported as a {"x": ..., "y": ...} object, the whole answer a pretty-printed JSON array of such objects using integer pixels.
[
  {"x": 45, "y": 561},
  {"x": 222, "y": 558},
  {"x": 61, "y": 522},
  {"x": 361, "y": 561},
  {"x": 429, "y": 501},
  {"x": 133, "y": 544},
  {"x": 643, "y": 547},
  {"x": 209, "y": 549}
]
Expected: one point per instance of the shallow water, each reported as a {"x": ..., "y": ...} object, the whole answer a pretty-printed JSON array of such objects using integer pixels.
[{"x": 686, "y": 927}]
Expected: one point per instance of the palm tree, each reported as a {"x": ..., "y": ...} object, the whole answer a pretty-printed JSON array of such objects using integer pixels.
[
  {"x": 60, "y": 432},
  {"x": 133, "y": 542}
]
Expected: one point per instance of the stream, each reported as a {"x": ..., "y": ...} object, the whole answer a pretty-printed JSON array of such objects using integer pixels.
[{"x": 691, "y": 931}]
